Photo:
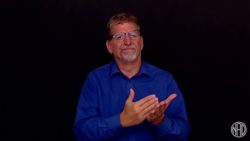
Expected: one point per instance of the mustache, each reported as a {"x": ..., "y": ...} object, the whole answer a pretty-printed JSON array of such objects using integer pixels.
[{"x": 128, "y": 47}]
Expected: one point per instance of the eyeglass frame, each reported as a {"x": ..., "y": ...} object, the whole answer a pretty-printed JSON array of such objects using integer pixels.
[{"x": 133, "y": 35}]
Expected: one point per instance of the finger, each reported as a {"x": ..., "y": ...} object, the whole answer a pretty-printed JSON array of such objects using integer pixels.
[
  {"x": 146, "y": 99},
  {"x": 158, "y": 110},
  {"x": 150, "y": 117},
  {"x": 170, "y": 98},
  {"x": 157, "y": 113},
  {"x": 164, "y": 104},
  {"x": 153, "y": 111},
  {"x": 131, "y": 95},
  {"x": 152, "y": 101},
  {"x": 148, "y": 107},
  {"x": 162, "y": 108},
  {"x": 156, "y": 107}
]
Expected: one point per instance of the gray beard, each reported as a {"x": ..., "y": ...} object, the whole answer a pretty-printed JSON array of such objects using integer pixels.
[{"x": 129, "y": 57}]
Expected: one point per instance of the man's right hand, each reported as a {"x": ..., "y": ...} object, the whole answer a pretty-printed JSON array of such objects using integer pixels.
[{"x": 135, "y": 113}]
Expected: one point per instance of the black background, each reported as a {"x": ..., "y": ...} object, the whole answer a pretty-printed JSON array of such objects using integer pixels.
[{"x": 48, "y": 47}]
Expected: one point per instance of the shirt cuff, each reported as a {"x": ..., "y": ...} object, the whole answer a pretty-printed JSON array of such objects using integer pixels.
[
  {"x": 164, "y": 126},
  {"x": 113, "y": 122}
]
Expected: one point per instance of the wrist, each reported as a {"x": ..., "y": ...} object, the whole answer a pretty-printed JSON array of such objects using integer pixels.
[
  {"x": 122, "y": 119},
  {"x": 158, "y": 120}
]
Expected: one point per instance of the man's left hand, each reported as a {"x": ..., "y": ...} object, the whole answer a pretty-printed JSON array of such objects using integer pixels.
[{"x": 157, "y": 115}]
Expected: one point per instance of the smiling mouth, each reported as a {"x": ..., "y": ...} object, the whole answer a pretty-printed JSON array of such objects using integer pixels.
[{"x": 128, "y": 50}]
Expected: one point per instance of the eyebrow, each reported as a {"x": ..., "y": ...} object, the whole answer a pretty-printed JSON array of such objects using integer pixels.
[{"x": 127, "y": 32}]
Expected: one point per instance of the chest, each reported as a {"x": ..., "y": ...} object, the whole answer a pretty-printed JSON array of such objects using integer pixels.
[{"x": 112, "y": 96}]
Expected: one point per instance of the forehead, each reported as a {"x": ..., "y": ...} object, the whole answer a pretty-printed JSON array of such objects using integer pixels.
[{"x": 124, "y": 27}]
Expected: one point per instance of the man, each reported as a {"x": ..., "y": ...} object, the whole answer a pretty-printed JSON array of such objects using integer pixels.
[{"x": 128, "y": 99}]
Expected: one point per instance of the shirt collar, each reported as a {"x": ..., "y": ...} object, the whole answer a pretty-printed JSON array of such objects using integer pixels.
[
  {"x": 114, "y": 69},
  {"x": 143, "y": 70}
]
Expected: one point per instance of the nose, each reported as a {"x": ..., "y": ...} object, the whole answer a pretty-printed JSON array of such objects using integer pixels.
[{"x": 127, "y": 40}]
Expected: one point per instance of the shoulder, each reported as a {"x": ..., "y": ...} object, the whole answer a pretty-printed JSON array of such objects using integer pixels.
[
  {"x": 103, "y": 68},
  {"x": 157, "y": 71},
  {"x": 101, "y": 71}
]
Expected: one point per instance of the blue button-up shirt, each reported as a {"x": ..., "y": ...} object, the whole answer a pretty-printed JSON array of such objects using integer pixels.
[{"x": 103, "y": 97}]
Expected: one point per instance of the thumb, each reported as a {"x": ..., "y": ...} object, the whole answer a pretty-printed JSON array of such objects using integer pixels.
[
  {"x": 131, "y": 95},
  {"x": 170, "y": 98}
]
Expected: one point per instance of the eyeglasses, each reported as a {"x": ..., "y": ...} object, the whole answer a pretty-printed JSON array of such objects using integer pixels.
[{"x": 120, "y": 36}]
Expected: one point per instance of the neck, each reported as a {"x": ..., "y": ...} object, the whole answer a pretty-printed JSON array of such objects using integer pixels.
[{"x": 129, "y": 69}]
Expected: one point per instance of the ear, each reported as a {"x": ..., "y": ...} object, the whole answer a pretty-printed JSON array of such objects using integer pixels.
[
  {"x": 109, "y": 47},
  {"x": 142, "y": 43}
]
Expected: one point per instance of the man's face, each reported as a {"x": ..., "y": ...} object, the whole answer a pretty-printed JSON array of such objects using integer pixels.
[{"x": 126, "y": 43}]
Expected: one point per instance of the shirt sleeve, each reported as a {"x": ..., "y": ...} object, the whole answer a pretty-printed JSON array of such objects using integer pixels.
[
  {"x": 89, "y": 124},
  {"x": 175, "y": 126}
]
